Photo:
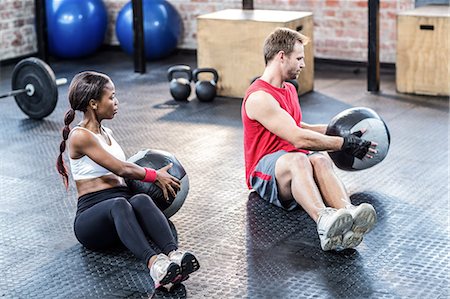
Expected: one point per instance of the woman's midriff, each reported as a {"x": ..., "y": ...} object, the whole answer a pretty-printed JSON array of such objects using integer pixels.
[{"x": 97, "y": 184}]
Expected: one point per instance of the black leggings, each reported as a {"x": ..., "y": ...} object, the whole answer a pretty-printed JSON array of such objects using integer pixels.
[{"x": 110, "y": 221}]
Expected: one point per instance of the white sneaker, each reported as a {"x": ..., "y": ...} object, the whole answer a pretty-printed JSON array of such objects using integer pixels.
[
  {"x": 163, "y": 271},
  {"x": 187, "y": 262},
  {"x": 331, "y": 225},
  {"x": 364, "y": 218}
]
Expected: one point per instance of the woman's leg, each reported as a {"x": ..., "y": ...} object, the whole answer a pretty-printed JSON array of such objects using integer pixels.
[
  {"x": 113, "y": 221},
  {"x": 153, "y": 222},
  {"x": 110, "y": 222}
]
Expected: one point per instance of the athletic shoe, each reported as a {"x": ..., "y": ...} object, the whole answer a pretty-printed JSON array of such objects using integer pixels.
[
  {"x": 163, "y": 271},
  {"x": 331, "y": 225},
  {"x": 364, "y": 218},
  {"x": 187, "y": 262}
]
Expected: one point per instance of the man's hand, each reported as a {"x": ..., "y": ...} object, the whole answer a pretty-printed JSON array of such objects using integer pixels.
[
  {"x": 167, "y": 182},
  {"x": 356, "y": 146}
]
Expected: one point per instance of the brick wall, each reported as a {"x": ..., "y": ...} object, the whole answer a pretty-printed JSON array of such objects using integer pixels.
[
  {"x": 340, "y": 26},
  {"x": 17, "y": 33}
]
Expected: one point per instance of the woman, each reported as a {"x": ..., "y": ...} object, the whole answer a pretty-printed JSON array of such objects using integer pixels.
[{"x": 107, "y": 214}]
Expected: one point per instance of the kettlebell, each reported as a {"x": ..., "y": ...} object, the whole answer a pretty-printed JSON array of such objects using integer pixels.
[
  {"x": 180, "y": 88},
  {"x": 205, "y": 90}
]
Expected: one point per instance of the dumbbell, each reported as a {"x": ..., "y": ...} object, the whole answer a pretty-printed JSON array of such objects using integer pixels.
[
  {"x": 180, "y": 88},
  {"x": 34, "y": 87},
  {"x": 205, "y": 90}
]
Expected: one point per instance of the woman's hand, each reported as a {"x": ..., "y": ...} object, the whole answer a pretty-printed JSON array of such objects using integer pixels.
[{"x": 167, "y": 182}]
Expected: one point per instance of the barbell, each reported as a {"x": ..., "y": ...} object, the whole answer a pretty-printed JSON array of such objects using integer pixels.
[{"x": 34, "y": 87}]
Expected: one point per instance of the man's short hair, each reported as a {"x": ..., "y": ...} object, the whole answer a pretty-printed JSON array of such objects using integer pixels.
[{"x": 282, "y": 39}]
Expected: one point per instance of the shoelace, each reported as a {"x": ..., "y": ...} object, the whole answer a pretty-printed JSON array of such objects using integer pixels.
[
  {"x": 177, "y": 255},
  {"x": 323, "y": 212},
  {"x": 350, "y": 207},
  {"x": 159, "y": 264},
  {"x": 326, "y": 211}
]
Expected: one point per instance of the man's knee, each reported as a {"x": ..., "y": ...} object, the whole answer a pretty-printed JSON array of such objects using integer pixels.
[
  {"x": 320, "y": 162},
  {"x": 293, "y": 162}
]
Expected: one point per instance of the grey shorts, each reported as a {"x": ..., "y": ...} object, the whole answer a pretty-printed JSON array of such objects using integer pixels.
[{"x": 264, "y": 183}]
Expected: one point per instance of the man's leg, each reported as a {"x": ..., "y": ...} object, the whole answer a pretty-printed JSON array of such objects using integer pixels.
[
  {"x": 335, "y": 195},
  {"x": 332, "y": 189},
  {"x": 294, "y": 176}
]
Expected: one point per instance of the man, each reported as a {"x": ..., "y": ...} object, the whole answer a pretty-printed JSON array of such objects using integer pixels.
[{"x": 282, "y": 161}]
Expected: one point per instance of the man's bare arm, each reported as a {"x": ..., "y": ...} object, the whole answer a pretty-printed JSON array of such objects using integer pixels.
[{"x": 262, "y": 107}]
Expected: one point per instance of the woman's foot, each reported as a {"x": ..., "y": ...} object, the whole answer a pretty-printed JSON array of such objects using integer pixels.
[
  {"x": 186, "y": 261},
  {"x": 164, "y": 271}
]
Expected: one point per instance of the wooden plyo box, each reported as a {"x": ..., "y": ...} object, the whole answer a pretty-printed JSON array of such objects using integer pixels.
[
  {"x": 423, "y": 51},
  {"x": 231, "y": 41}
]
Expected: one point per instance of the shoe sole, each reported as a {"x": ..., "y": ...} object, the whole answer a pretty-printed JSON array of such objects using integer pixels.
[
  {"x": 341, "y": 225},
  {"x": 363, "y": 222},
  {"x": 334, "y": 243},
  {"x": 189, "y": 264},
  {"x": 173, "y": 271}
]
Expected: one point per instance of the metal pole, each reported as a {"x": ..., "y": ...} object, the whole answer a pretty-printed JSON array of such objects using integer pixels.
[
  {"x": 13, "y": 93},
  {"x": 41, "y": 29},
  {"x": 247, "y": 4},
  {"x": 138, "y": 37},
  {"x": 373, "y": 68}
]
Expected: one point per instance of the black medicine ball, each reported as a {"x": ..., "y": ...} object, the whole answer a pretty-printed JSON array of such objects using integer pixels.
[
  {"x": 355, "y": 119},
  {"x": 157, "y": 159}
]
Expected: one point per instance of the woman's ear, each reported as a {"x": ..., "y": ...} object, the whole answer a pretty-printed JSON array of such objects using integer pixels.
[{"x": 93, "y": 104}]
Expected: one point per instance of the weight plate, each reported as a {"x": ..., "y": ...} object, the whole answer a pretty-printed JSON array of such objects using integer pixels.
[{"x": 36, "y": 72}]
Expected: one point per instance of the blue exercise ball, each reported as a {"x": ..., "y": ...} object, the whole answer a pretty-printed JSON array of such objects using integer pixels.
[
  {"x": 75, "y": 28},
  {"x": 162, "y": 28}
]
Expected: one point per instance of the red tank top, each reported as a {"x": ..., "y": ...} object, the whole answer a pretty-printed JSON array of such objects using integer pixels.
[{"x": 258, "y": 141}]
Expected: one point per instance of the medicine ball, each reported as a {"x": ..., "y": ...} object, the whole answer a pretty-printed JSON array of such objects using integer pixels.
[
  {"x": 355, "y": 119},
  {"x": 157, "y": 159}
]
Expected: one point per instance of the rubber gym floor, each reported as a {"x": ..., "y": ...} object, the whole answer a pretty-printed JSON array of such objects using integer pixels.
[{"x": 246, "y": 247}]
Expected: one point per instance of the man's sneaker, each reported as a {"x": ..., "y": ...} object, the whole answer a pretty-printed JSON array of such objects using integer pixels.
[
  {"x": 331, "y": 225},
  {"x": 364, "y": 218},
  {"x": 187, "y": 262},
  {"x": 164, "y": 271}
]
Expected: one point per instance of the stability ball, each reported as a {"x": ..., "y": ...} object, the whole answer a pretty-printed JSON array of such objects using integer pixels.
[
  {"x": 162, "y": 28},
  {"x": 157, "y": 159},
  {"x": 355, "y": 119},
  {"x": 75, "y": 28}
]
